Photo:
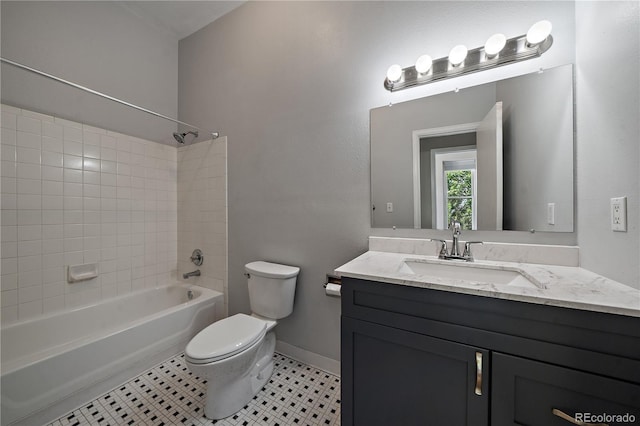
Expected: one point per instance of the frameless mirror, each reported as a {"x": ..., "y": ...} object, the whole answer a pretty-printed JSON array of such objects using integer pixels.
[{"x": 497, "y": 156}]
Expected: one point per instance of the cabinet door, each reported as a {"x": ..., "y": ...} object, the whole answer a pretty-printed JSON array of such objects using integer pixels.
[
  {"x": 525, "y": 392},
  {"x": 395, "y": 377}
]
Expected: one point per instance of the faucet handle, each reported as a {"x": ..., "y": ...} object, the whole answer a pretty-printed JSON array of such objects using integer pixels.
[
  {"x": 467, "y": 249},
  {"x": 443, "y": 247}
]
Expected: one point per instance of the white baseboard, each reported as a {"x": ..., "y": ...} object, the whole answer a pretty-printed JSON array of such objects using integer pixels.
[{"x": 322, "y": 362}]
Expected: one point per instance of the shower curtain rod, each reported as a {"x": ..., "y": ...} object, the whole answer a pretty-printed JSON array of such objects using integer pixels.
[{"x": 103, "y": 95}]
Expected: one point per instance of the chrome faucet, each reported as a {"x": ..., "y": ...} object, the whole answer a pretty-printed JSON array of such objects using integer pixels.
[
  {"x": 195, "y": 273},
  {"x": 455, "y": 228},
  {"x": 455, "y": 245}
]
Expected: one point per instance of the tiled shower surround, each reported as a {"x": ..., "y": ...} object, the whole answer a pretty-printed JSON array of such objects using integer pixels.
[
  {"x": 74, "y": 194},
  {"x": 202, "y": 211}
]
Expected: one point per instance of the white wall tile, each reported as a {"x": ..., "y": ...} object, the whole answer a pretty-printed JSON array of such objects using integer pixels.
[
  {"x": 72, "y": 134},
  {"x": 51, "y": 159},
  {"x": 9, "y": 234},
  {"x": 52, "y": 173},
  {"x": 108, "y": 166},
  {"x": 29, "y": 202},
  {"x": 29, "y": 278},
  {"x": 8, "y": 120},
  {"x": 51, "y": 144},
  {"x": 108, "y": 154},
  {"x": 54, "y": 231},
  {"x": 8, "y": 169},
  {"x": 37, "y": 115},
  {"x": 73, "y": 162},
  {"x": 52, "y": 304},
  {"x": 28, "y": 140},
  {"x": 30, "y": 310},
  {"x": 72, "y": 147},
  {"x": 28, "y": 171},
  {"x": 73, "y": 176},
  {"x": 52, "y": 246},
  {"x": 51, "y": 130},
  {"x": 52, "y": 202},
  {"x": 8, "y": 152},
  {"x": 84, "y": 195},
  {"x": 91, "y": 151},
  {"x": 28, "y": 124}
]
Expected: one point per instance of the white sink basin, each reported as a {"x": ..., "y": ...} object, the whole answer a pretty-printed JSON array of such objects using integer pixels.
[{"x": 478, "y": 274}]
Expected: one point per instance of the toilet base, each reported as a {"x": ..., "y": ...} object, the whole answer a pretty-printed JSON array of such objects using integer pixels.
[{"x": 224, "y": 400}]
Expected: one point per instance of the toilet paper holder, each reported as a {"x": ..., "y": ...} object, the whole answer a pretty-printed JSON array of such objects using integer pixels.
[
  {"x": 333, "y": 279},
  {"x": 333, "y": 285}
]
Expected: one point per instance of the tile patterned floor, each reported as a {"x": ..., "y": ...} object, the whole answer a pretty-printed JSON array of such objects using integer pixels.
[{"x": 169, "y": 394}]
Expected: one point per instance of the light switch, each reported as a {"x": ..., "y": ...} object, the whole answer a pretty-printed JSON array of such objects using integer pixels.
[
  {"x": 389, "y": 207},
  {"x": 551, "y": 213}
]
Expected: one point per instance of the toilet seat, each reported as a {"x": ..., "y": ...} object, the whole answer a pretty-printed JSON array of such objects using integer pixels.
[{"x": 225, "y": 338}]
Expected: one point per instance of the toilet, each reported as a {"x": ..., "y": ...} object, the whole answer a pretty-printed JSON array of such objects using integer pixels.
[{"x": 235, "y": 355}]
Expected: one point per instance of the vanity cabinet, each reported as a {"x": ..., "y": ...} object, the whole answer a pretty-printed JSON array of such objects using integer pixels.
[{"x": 417, "y": 356}]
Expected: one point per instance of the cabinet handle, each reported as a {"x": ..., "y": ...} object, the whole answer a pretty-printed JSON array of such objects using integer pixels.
[
  {"x": 570, "y": 419},
  {"x": 478, "y": 390}
]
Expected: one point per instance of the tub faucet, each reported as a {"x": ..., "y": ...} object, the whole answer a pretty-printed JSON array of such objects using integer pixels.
[{"x": 195, "y": 273}]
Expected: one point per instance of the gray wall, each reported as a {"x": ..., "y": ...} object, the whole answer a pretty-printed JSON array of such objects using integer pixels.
[
  {"x": 608, "y": 148},
  {"x": 291, "y": 84},
  {"x": 96, "y": 44},
  {"x": 538, "y": 149}
]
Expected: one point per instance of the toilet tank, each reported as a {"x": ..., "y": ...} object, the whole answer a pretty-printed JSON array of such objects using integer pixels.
[{"x": 272, "y": 288}]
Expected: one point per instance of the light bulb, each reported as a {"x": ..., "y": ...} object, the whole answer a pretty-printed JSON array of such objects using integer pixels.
[
  {"x": 423, "y": 64},
  {"x": 538, "y": 32},
  {"x": 457, "y": 55},
  {"x": 394, "y": 73},
  {"x": 494, "y": 45}
]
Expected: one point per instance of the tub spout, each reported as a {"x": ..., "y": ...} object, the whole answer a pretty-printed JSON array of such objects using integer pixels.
[{"x": 195, "y": 273}]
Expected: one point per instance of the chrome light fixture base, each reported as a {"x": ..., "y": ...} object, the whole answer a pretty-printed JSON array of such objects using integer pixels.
[{"x": 516, "y": 49}]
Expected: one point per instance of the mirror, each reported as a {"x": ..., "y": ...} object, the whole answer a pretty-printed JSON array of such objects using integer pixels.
[{"x": 498, "y": 156}]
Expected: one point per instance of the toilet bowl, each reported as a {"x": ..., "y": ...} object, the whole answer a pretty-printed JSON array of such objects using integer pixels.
[{"x": 235, "y": 355}]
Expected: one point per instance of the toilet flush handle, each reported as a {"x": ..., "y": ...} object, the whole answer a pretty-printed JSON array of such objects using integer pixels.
[{"x": 246, "y": 274}]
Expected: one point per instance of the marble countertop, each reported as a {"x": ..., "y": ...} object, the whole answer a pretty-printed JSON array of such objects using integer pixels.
[{"x": 564, "y": 286}]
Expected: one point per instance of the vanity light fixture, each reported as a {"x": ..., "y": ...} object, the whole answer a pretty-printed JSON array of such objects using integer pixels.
[
  {"x": 423, "y": 64},
  {"x": 394, "y": 73},
  {"x": 494, "y": 45},
  {"x": 538, "y": 33},
  {"x": 458, "y": 55},
  {"x": 497, "y": 51}
]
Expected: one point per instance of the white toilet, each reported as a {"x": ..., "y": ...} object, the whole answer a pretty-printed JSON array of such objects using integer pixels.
[{"x": 235, "y": 355}]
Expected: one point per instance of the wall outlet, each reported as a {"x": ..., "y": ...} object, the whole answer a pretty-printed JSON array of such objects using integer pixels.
[
  {"x": 389, "y": 207},
  {"x": 619, "y": 214}
]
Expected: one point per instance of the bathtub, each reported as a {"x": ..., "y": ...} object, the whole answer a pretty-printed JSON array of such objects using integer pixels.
[{"x": 53, "y": 364}]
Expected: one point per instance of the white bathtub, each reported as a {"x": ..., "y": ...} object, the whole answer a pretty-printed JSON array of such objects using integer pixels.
[{"x": 52, "y": 364}]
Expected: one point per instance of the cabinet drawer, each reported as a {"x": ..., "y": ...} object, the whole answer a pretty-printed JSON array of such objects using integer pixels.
[
  {"x": 531, "y": 393},
  {"x": 588, "y": 341}
]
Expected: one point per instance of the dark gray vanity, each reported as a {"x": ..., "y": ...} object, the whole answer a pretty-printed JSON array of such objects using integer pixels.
[
  {"x": 416, "y": 356},
  {"x": 427, "y": 341}
]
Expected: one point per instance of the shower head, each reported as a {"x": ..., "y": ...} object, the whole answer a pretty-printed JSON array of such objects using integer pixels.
[{"x": 180, "y": 136}]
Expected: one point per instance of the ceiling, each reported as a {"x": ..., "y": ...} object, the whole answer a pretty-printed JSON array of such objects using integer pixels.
[{"x": 179, "y": 18}]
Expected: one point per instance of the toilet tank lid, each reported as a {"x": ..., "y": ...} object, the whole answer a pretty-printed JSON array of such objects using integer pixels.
[{"x": 271, "y": 270}]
